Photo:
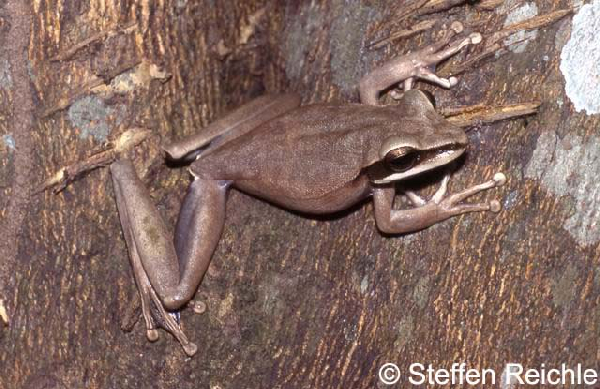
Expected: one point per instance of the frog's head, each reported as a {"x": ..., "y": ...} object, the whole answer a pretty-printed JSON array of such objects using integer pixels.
[{"x": 425, "y": 141}]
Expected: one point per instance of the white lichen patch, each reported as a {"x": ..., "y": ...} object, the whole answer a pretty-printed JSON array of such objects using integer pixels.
[
  {"x": 347, "y": 41},
  {"x": 580, "y": 60},
  {"x": 92, "y": 117},
  {"x": 3, "y": 314},
  {"x": 518, "y": 41},
  {"x": 9, "y": 141},
  {"x": 569, "y": 167},
  {"x": 406, "y": 330},
  {"x": 6, "y": 81},
  {"x": 305, "y": 23},
  {"x": 563, "y": 288},
  {"x": 421, "y": 292},
  {"x": 364, "y": 284}
]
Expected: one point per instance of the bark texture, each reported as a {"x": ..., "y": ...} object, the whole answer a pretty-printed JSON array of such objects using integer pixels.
[{"x": 293, "y": 301}]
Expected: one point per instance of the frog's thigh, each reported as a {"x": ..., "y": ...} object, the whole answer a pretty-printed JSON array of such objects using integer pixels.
[
  {"x": 235, "y": 124},
  {"x": 197, "y": 233},
  {"x": 146, "y": 235}
]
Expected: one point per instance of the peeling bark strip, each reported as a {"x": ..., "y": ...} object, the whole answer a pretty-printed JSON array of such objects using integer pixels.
[
  {"x": 22, "y": 121},
  {"x": 71, "y": 51},
  {"x": 126, "y": 141},
  {"x": 417, "y": 28},
  {"x": 472, "y": 115}
]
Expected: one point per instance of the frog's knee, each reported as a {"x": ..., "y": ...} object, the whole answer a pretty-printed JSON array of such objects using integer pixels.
[{"x": 174, "y": 301}]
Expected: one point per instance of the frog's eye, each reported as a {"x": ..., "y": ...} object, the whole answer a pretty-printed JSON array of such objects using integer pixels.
[{"x": 402, "y": 159}]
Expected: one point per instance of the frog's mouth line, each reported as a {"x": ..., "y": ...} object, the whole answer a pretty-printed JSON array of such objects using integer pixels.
[
  {"x": 440, "y": 155},
  {"x": 426, "y": 160}
]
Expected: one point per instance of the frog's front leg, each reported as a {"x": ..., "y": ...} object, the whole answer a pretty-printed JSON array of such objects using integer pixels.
[
  {"x": 417, "y": 65},
  {"x": 428, "y": 213},
  {"x": 167, "y": 275}
]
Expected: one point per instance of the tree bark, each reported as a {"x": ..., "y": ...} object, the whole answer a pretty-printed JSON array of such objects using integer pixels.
[{"x": 293, "y": 301}]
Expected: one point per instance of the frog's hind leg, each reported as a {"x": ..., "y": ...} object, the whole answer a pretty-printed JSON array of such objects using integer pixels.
[
  {"x": 168, "y": 273},
  {"x": 128, "y": 189},
  {"x": 417, "y": 65},
  {"x": 235, "y": 124},
  {"x": 198, "y": 230}
]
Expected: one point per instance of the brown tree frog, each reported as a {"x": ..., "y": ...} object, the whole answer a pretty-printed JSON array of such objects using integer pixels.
[{"x": 318, "y": 159}]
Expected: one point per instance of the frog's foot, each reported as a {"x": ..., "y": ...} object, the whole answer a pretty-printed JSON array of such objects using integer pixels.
[
  {"x": 154, "y": 312},
  {"x": 449, "y": 206},
  {"x": 169, "y": 323},
  {"x": 151, "y": 331},
  {"x": 198, "y": 306},
  {"x": 418, "y": 65},
  {"x": 425, "y": 60}
]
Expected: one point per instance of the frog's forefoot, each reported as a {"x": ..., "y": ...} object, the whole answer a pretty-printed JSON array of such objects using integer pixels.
[
  {"x": 428, "y": 58},
  {"x": 448, "y": 206},
  {"x": 419, "y": 65}
]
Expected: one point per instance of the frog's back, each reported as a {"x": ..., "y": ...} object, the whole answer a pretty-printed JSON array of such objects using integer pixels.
[{"x": 309, "y": 153}]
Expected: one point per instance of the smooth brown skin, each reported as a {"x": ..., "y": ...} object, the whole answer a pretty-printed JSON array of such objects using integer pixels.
[{"x": 318, "y": 159}]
